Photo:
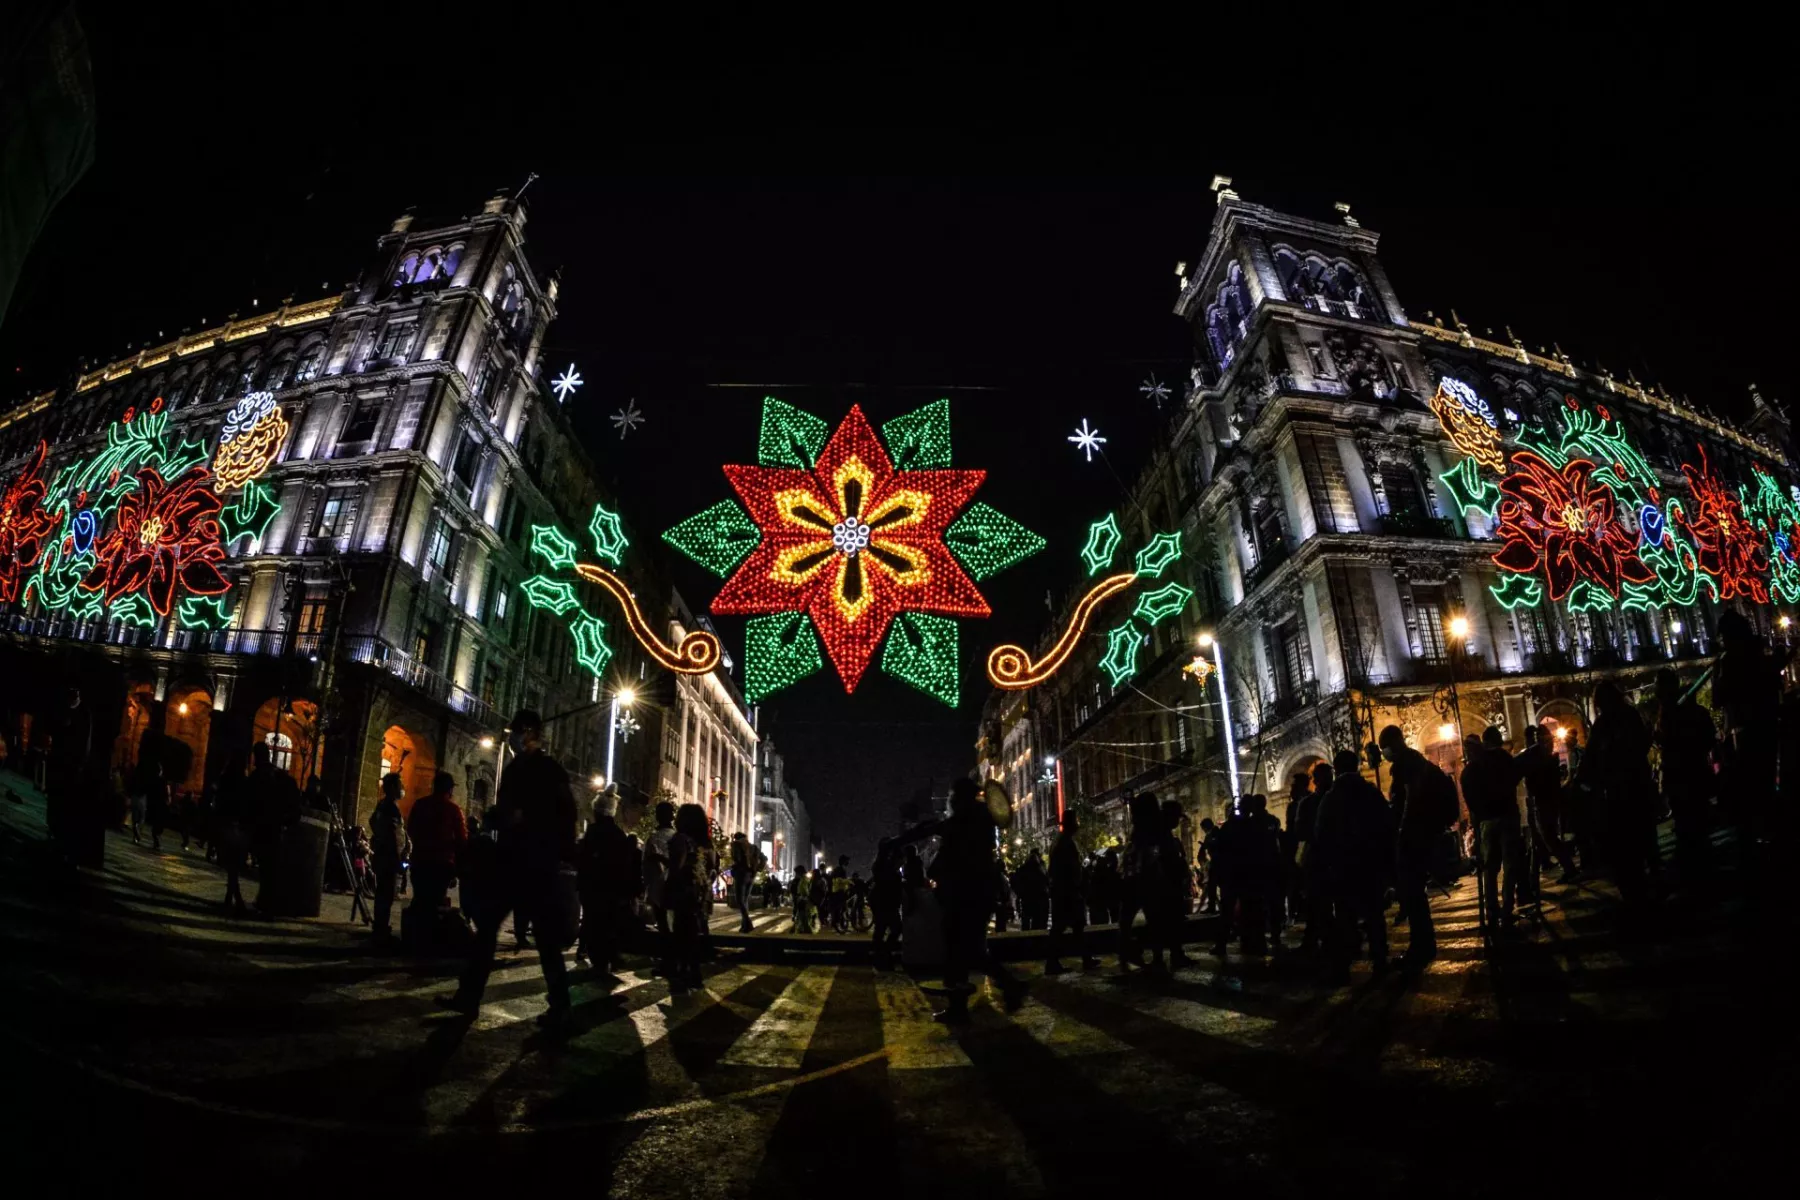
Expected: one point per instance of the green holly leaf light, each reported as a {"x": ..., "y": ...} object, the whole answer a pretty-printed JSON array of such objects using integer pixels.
[
  {"x": 1102, "y": 543},
  {"x": 1514, "y": 590},
  {"x": 608, "y": 534},
  {"x": 249, "y": 515},
  {"x": 1155, "y": 558},
  {"x": 203, "y": 612},
  {"x": 548, "y": 543},
  {"x": 591, "y": 651},
  {"x": 922, "y": 650},
  {"x": 1165, "y": 601},
  {"x": 986, "y": 540},
  {"x": 133, "y": 609},
  {"x": 1122, "y": 646},
  {"x": 557, "y": 595}
]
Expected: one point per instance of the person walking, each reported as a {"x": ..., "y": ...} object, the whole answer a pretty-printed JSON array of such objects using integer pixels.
[
  {"x": 1138, "y": 882},
  {"x": 231, "y": 812},
  {"x": 1351, "y": 860},
  {"x": 1616, "y": 768},
  {"x": 1425, "y": 801},
  {"x": 1173, "y": 882},
  {"x": 387, "y": 841},
  {"x": 656, "y": 873},
  {"x": 439, "y": 837},
  {"x": 535, "y": 812},
  {"x": 1209, "y": 886},
  {"x": 1068, "y": 906},
  {"x": 146, "y": 777},
  {"x": 964, "y": 871},
  {"x": 1490, "y": 787},
  {"x": 885, "y": 887},
  {"x": 686, "y": 893},
  {"x": 1306, "y": 898},
  {"x": 742, "y": 879},
  {"x": 1031, "y": 887},
  {"x": 611, "y": 875},
  {"x": 803, "y": 907},
  {"x": 1545, "y": 821},
  {"x": 1686, "y": 736}
]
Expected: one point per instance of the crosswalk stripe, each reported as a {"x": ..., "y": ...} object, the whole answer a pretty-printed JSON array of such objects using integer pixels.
[
  {"x": 915, "y": 1042},
  {"x": 1061, "y": 1034},
  {"x": 779, "y": 1037},
  {"x": 1177, "y": 1010}
]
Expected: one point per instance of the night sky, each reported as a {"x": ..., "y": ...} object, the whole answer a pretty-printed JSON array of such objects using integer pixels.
[{"x": 832, "y": 241}]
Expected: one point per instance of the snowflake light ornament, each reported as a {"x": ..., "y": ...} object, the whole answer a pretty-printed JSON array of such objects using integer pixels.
[
  {"x": 564, "y": 385},
  {"x": 627, "y": 418},
  {"x": 1087, "y": 440},
  {"x": 1154, "y": 389}
]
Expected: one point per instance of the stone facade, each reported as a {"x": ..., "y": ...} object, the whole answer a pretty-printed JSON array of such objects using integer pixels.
[{"x": 1325, "y": 555}]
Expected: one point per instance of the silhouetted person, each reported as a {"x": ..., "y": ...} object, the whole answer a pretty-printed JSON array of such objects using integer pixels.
[
  {"x": 275, "y": 805},
  {"x": 1003, "y": 898},
  {"x": 147, "y": 789},
  {"x": 1616, "y": 768},
  {"x": 1490, "y": 785},
  {"x": 1137, "y": 882},
  {"x": 805, "y": 915},
  {"x": 1747, "y": 692},
  {"x": 964, "y": 871},
  {"x": 233, "y": 819},
  {"x": 1031, "y": 887},
  {"x": 742, "y": 878},
  {"x": 1248, "y": 849},
  {"x": 69, "y": 806},
  {"x": 611, "y": 876},
  {"x": 535, "y": 813},
  {"x": 1424, "y": 801},
  {"x": 1103, "y": 895},
  {"x": 1068, "y": 906},
  {"x": 912, "y": 878},
  {"x": 656, "y": 865},
  {"x": 1685, "y": 735},
  {"x": 1541, "y": 770},
  {"x": 1301, "y": 822},
  {"x": 387, "y": 842},
  {"x": 885, "y": 900},
  {"x": 1167, "y": 910},
  {"x": 1209, "y": 885},
  {"x": 1351, "y": 861},
  {"x": 439, "y": 835},
  {"x": 687, "y": 892}
]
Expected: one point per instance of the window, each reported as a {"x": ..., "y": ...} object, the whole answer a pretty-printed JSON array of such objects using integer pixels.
[
  {"x": 409, "y": 266},
  {"x": 312, "y": 616},
  {"x": 485, "y": 370},
  {"x": 281, "y": 750},
  {"x": 1269, "y": 540},
  {"x": 452, "y": 260},
  {"x": 438, "y": 558},
  {"x": 499, "y": 602},
  {"x": 359, "y": 430},
  {"x": 307, "y": 365},
  {"x": 337, "y": 516},
  {"x": 1400, "y": 486},
  {"x": 1428, "y": 604},
  {"x": 467, "y": 462},
  {"x": 396, "y": 339},
  {"x": 1292, "y": 658},
  {"x": 423, "y": 637}
]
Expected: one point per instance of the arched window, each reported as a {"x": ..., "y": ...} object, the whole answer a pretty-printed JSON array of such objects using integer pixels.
[
  {"x": 430, "y": 263},
  {"x": 408, "y": 267},
  {"x": 307, "y": 365},
  {"x": 247, "y": 375},
  {"x": 221, "y": 383},
  {"x": 452, "y": 260},
  {"x": 512, "y": 292},
  {"x": 276, "y": 377}
]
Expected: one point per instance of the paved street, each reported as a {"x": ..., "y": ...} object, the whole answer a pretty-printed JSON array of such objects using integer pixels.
[{"x": 146, "y": 1027}]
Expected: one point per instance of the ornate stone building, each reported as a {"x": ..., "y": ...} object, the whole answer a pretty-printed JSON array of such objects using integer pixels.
[
  {"x": 1386, "y": 520},
  {"x": 372, "y": 616}
]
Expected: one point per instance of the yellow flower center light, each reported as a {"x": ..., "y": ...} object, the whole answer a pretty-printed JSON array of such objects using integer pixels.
[
  {"x": 1574, "y": 518},
  {"x": 150, "y": 532}
]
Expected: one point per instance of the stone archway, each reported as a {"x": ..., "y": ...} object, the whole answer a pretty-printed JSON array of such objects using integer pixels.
[
  {"x": 1568, "y": 726},
  {"x": 1301, "y": 762},
  {"x": 134, "y": 722},
  {"x": 411, "y": 755},
  {"x": 288, "y": 731},
  {"x": 187, "y": 719}
]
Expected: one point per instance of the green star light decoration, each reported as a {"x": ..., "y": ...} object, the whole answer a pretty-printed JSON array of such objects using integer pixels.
[
  {"x": 719, "y": 538},
  {"x": 986, "y": 540}
]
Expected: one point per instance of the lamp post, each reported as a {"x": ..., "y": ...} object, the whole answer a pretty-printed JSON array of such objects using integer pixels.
[
  {"x": 1459, "y": 636},
  {"x": 1231, "y": 767},
  {"x": 625, "y": 698}
]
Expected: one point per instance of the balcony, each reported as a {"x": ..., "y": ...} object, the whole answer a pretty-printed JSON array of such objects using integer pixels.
[
  {"x": 1341, "y": 308},
  {"x": 1273, "y": 555}
]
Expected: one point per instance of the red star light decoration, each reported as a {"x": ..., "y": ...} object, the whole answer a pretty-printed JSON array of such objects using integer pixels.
[{"x": 852, "y": 543}]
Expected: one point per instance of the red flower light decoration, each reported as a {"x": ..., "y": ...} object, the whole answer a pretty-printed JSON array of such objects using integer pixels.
[
  {"x": 1565, "y": 524},
  {"x": 852, "y": 542},
  {"x": 164, "y": 533},
  {"x": 1731, "y": 549},
  {"x": 23, "y": 524}
]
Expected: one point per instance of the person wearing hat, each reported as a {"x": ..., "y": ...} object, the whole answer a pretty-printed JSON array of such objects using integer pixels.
[
  {"x": 611, "y": 874},
  {"x": 1068, "y": 907},
  {"x": 535, "y": 816}
]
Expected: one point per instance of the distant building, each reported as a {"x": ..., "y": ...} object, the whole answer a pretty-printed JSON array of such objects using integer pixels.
[
  {"x": 709, "y": 741},
  {"x": 781, "y": 830}
]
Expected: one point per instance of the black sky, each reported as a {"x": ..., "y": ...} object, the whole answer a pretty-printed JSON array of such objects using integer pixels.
[{"x": 997, "y": 240}]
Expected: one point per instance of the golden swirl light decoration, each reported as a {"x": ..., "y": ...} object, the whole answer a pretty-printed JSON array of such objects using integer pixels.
[
  {"x": 1012, "y": 667},
  {"x": 252, "y": 437},
  {"x": 699, "y": 651}
]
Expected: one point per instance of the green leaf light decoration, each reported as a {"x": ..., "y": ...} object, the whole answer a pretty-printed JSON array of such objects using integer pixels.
[
  {"x": 1102, "y": 544},
  {"x": 203, "y": 612},
  {"x": 1165, "y": 601},
  {"x": 779, "y": 650},
  {"x": 920, "y": 440},
  {"x": 986, "y": 540},
  {"x": 719, "y": 538},
  {"x": 549, "y": 543},
  {"x": 1122, "y": 646},
  {"x": 1155, "y": 558},
  {"x": 557, "y": 595},
  {"x": 922, "y": 650},
  {"x": 609, "y": 534},
  {"x": 590, "y": 650},
  {"x": 789, "y": 437}
]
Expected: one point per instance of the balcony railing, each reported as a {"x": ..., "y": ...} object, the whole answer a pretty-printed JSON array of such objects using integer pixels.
[{"x": 264, "y": 643}]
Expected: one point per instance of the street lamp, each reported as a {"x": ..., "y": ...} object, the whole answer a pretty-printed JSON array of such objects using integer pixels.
[
  {"x": 1458, "y": 628},
  {"x": 1231, "y": 767},
  {"x": 623, "y": 697}
]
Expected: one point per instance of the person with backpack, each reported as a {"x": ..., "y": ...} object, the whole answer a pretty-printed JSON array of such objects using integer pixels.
[{"x": 1425, "y": 800}]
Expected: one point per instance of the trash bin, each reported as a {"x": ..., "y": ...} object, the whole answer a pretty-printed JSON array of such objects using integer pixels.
[{"x": 293, "y": 887}]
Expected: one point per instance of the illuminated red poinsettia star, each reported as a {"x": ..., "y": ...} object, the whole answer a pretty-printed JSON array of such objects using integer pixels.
[
  {"x": 852, "y": 543},
  {"x": 1564, "y": 524},
  {"x": 164, "y": 533},
  {"x": 1730, "y": 548},
  {"x": 24, "y": 525}
]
